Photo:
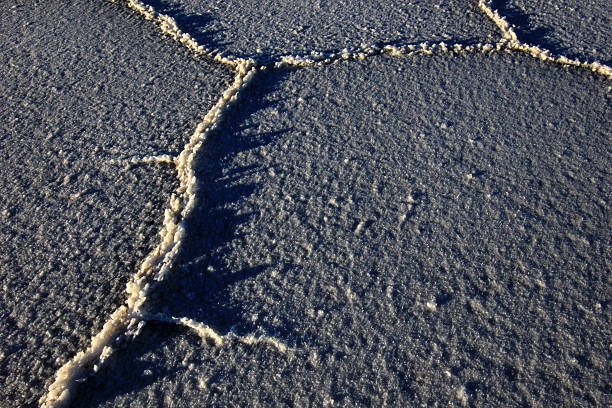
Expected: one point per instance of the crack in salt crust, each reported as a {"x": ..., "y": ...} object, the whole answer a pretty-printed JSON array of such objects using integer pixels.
[{"x": 127, "y": 320}]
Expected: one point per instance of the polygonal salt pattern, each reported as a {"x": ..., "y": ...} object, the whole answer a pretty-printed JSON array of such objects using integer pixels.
[
  {"x": 271, "y": 28},
  {"x": 83, "y": 84},
  {"x": 359, "y": 231},
  {"x": 574, "y": 28},
  {"x": 403, "y": 225}
]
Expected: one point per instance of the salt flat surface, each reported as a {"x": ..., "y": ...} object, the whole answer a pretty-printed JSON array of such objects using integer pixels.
[
  {"x": 83, "y": 83},
  {"x": 406, "y": 222},
  {"x": 404, "y": 225},
  {"x": 575, "y": 28},
  {"x": 277, "y": 27}
]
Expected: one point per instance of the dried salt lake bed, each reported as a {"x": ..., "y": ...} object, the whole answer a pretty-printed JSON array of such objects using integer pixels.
[{"x": 340, "y": 212}]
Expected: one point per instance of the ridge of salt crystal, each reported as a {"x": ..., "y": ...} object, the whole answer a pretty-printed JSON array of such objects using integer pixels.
[{"x": 128, "y": 319}]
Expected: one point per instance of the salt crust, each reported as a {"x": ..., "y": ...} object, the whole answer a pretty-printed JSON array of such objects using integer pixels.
[{"x": 128, "y": 320}]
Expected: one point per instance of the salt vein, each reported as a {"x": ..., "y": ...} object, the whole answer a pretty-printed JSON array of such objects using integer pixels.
[
  {"x": 511, "y": 42},
  {"x": 209, "y": 334},
  {"x": 128, "y": 319}
]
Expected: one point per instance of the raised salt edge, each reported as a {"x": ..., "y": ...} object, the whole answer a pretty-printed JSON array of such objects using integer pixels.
[{"x": 128, "y": 319}]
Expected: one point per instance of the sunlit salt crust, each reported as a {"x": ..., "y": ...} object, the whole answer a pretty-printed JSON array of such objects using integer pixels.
[
  {"x": 128, "y": 318},
  {"x": 127, "y": 321}
]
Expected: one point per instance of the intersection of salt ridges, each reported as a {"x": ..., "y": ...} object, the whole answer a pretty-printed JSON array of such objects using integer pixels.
[
  {"x": 401, "y": 230},
  {"x": 384, "y": 200},
  {"x": 85, "y": 85}
]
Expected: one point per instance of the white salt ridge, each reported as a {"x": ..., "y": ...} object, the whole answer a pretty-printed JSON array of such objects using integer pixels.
[
  {"x": 162, "y": 158},
  {"x": 169, "y": 27},
  {"x": 366, "y": 51},
  {"x": 508, "y": 43},
  {"x": 211, "y": 335},
  {"x": 511, "y": 43},
  {"x": 128, "y": 319}
]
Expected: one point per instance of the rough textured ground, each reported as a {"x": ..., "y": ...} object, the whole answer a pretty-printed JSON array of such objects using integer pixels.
[
  {"x": 278, "y": 27},
  {"x": 419, "y": 231},
  {"x": 405, "y": 231},
  {"x": 579, "y": 29},
  {"x": 82, "y": 83}
]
